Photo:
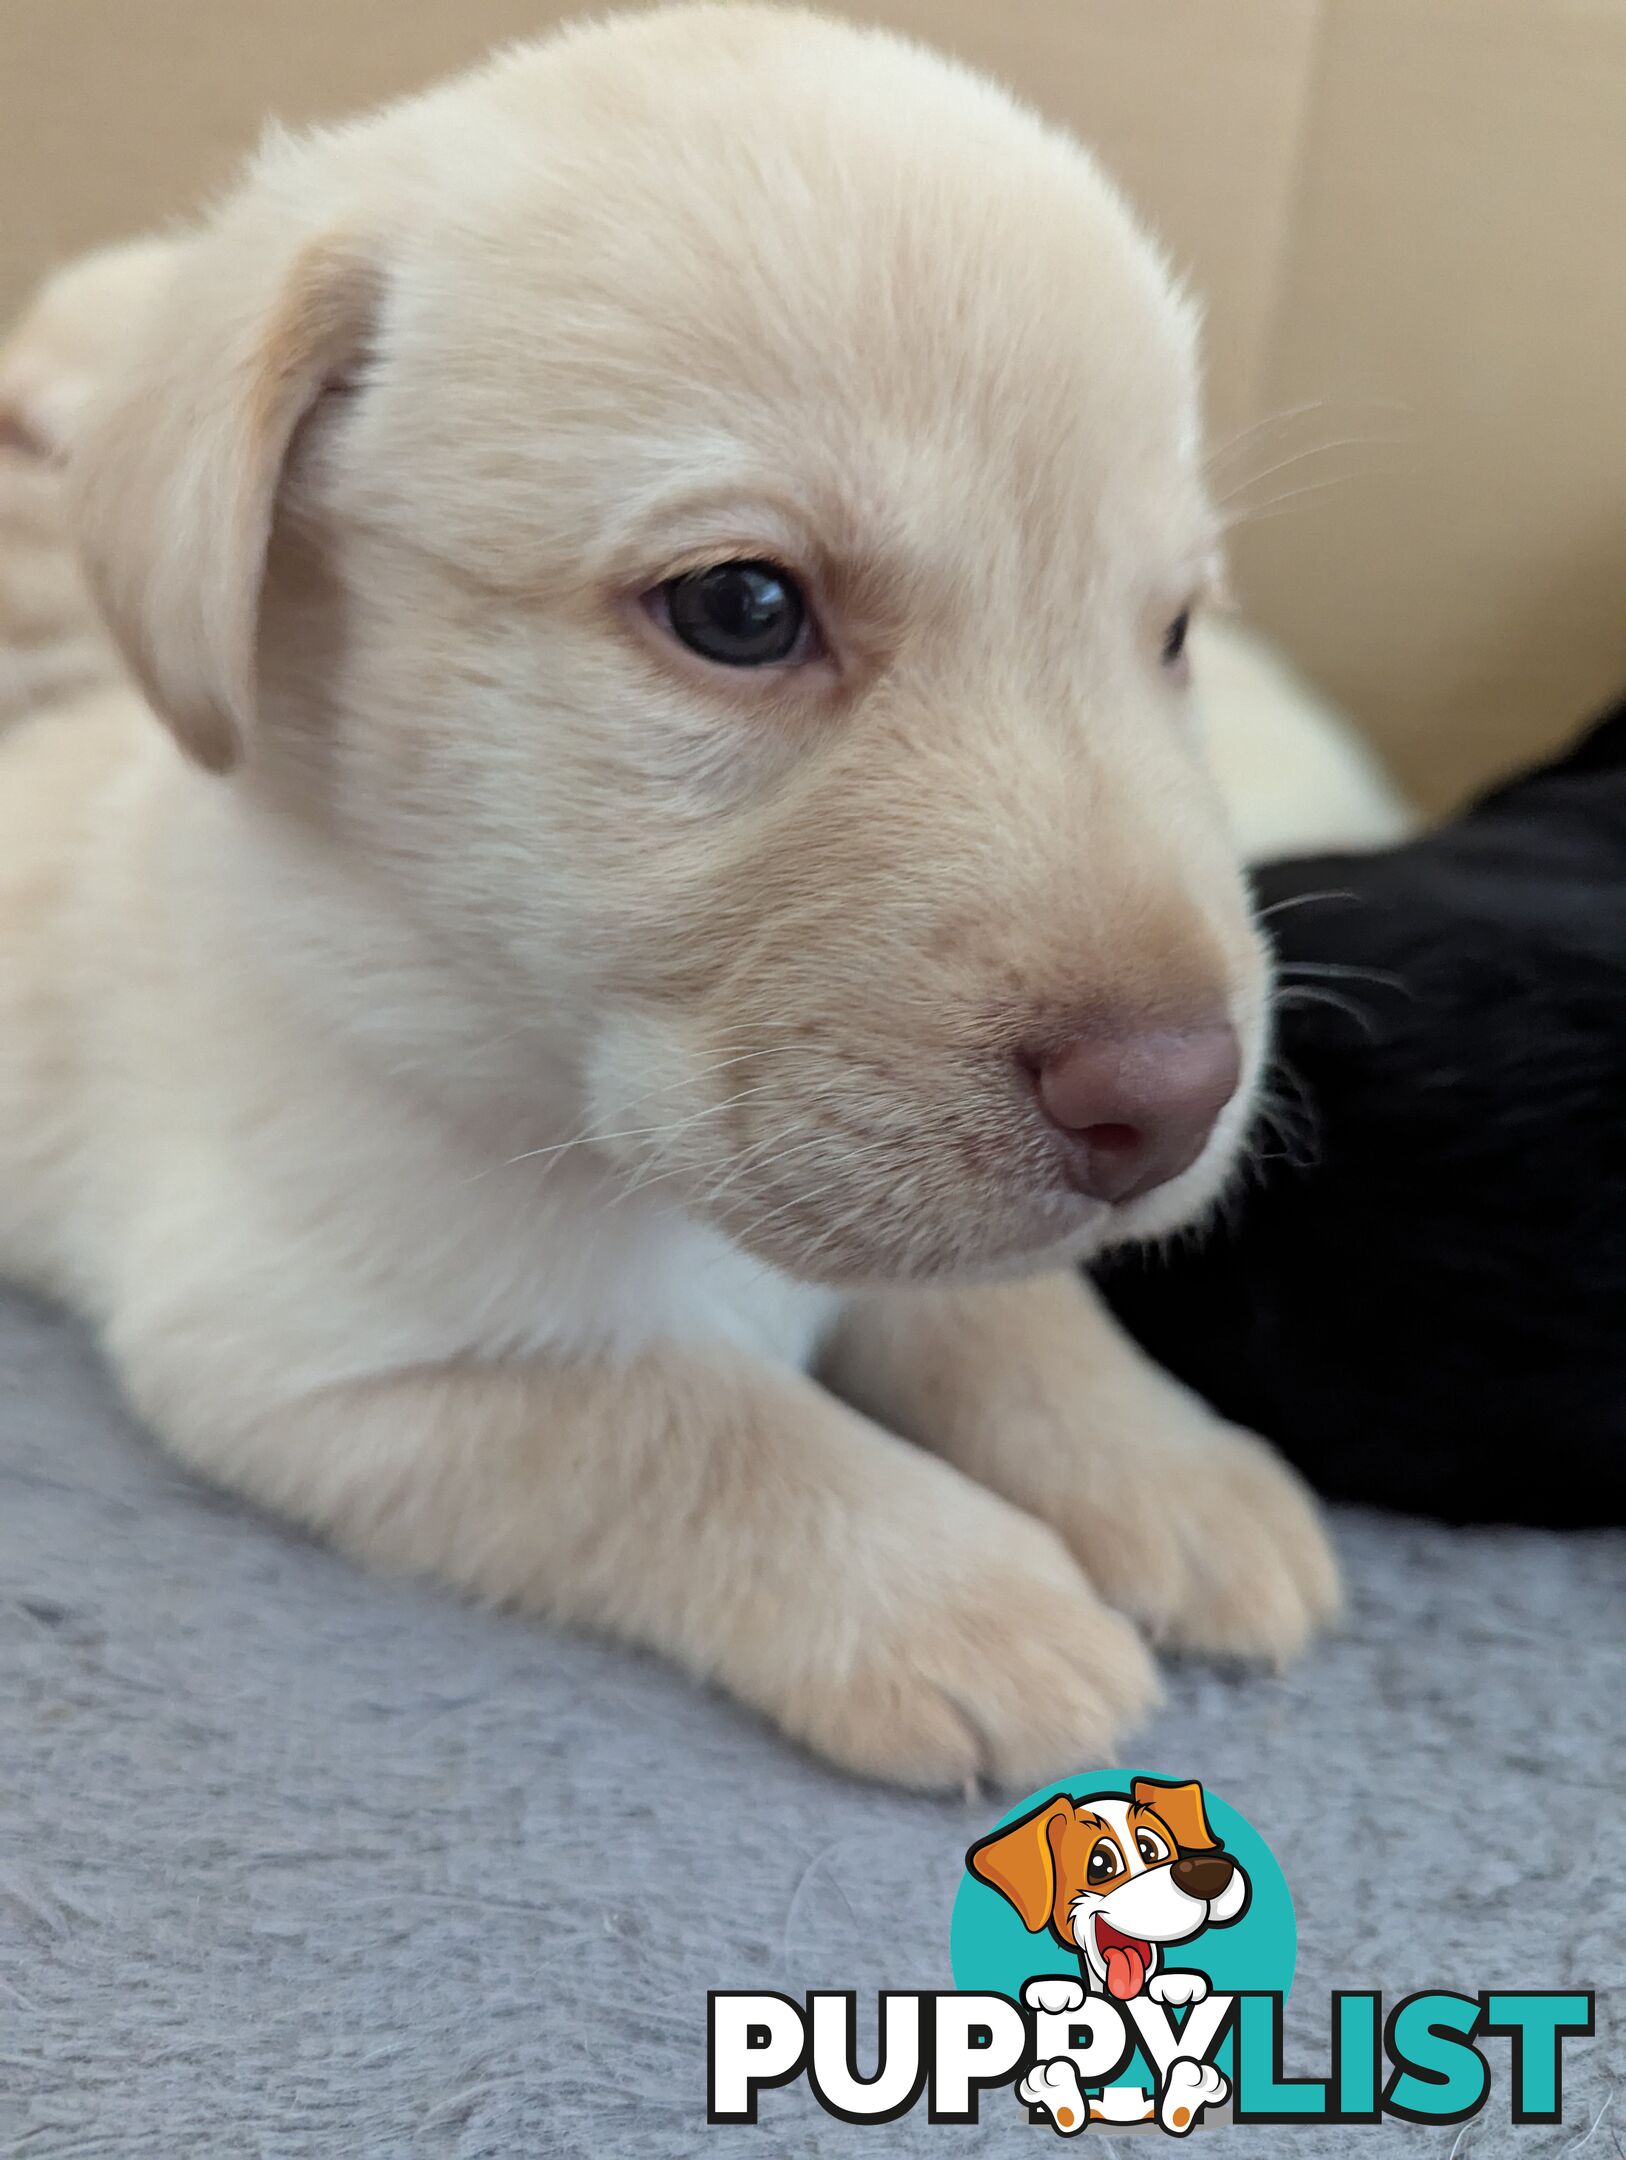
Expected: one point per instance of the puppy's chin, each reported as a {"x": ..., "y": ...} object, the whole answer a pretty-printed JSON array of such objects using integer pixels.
[
  {"x": 899, "y": 1224},
  {"x": 859, "y": 1192},
  {"x": 894, "y": 1244}
]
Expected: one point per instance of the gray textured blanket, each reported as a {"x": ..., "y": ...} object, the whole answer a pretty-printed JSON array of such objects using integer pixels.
[{"x": 294, "y": 1862}]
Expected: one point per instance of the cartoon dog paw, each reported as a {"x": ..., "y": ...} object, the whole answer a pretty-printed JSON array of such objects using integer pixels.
[
  {"x": 1054, "y": 1994},
  {"x": 1054, "y": 2087},
  {"x": 1187, "y": 2090},
  {"x": 1177, "y": 1987}
]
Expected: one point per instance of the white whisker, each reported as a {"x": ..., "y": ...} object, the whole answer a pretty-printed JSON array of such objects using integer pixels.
[
  {"x": 1313, "y": 450},
  {"x": 1306, "y": 994},
  {"x": 1337, "y": 971},
  {"x": 1297, "y": 900}
]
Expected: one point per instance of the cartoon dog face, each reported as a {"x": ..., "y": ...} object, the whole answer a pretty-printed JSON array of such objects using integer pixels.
[{"x": 1116, "y": 1879}]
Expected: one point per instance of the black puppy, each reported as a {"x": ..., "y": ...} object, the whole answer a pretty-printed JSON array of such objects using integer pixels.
[{"x": 1422, "y": 1299}]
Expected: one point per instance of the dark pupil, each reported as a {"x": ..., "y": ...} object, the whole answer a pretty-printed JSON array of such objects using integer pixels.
[
  {"x": 1100, "y": 1864},
  {"x": 743, "y": 614},
  {"x": 1174, "y": 638}
]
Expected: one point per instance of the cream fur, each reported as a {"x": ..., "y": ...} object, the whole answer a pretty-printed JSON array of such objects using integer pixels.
[
  {"x": 51, "y": 643},
  {"x": 477, "y": 1060},
  {"x": 1294, "y": 775}
]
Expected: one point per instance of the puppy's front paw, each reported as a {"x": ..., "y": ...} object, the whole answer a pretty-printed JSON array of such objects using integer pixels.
[
  {"x": 1054, "y": 1994},
  {"x": 1202, "y": 1532},
  {"x": 1053, "y": 2087},
  {"x": 1190, "y": 1526},
  {"x": 951, "y": 1653},
  {"x": 1177, "y": 1987},
  {"x": 1261, "y": 1576}
]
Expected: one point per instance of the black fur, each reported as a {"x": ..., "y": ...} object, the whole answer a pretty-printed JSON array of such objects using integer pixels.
[{"x": 1426, "y": 1308}]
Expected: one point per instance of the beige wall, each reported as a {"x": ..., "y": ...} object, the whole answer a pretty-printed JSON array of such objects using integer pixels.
[{"x": 1408, "y": 218}]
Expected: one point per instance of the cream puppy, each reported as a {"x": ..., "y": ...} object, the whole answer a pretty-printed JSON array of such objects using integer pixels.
[
  {"x": 51, "y": 643},
  {"x": 675, "y": 894},
  {"x": 1295, "y": 776}
]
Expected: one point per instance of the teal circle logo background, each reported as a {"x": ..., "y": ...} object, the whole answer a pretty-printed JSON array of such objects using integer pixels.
[{"x": 992, "y": 1951}]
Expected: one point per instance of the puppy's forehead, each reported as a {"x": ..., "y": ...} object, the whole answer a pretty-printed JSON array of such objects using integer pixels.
[
  {"x": 1113, "y": 1811},
  {"x": 756, "y": 237}
]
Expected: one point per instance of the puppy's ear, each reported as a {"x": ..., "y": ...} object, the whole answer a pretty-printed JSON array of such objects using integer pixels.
[
  {"x": 1020, "y": 1863},
  {"x": 1181, "y": 1807},
  {"x": 176, "y": 476}
]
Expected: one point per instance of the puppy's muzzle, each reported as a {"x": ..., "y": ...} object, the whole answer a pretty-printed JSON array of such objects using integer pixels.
[
  {"x": 1131, "y": 1111},
  {"x": 1203, "y": 1875}
]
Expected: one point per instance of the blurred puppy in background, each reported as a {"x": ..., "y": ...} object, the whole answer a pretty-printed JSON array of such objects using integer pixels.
[
  {"x": 1420, "y": 1295},
  {"x": 51, "y": 641},
  {"x": 677, "y": 858}
]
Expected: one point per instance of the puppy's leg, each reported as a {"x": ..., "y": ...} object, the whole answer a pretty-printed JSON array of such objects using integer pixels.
[
  {"x": 1192, "y": 1525},
  {"x": 879, "y": 1606}
]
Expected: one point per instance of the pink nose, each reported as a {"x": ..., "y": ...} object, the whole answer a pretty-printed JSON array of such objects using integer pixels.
[{"x": 1137, "y": 1109}]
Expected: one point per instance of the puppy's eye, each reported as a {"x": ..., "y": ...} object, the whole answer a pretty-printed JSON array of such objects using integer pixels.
[
  {"x": 1150, "y": 1847},
  {"x": 739, "y": 614},
  {"x": 1105, "y": 1860},
  {"x": 1174, "y": 639}
]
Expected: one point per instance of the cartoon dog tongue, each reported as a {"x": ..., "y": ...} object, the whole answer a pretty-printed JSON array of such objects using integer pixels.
[{"x": 1126, "y": 1963}]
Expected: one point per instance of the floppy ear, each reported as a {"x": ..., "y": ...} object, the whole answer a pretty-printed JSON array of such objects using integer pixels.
[
  {"x": 1181, "y": 1807},
  {"x": 1020, "y": 1863},
  {"x": 176, "y": 475}
]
